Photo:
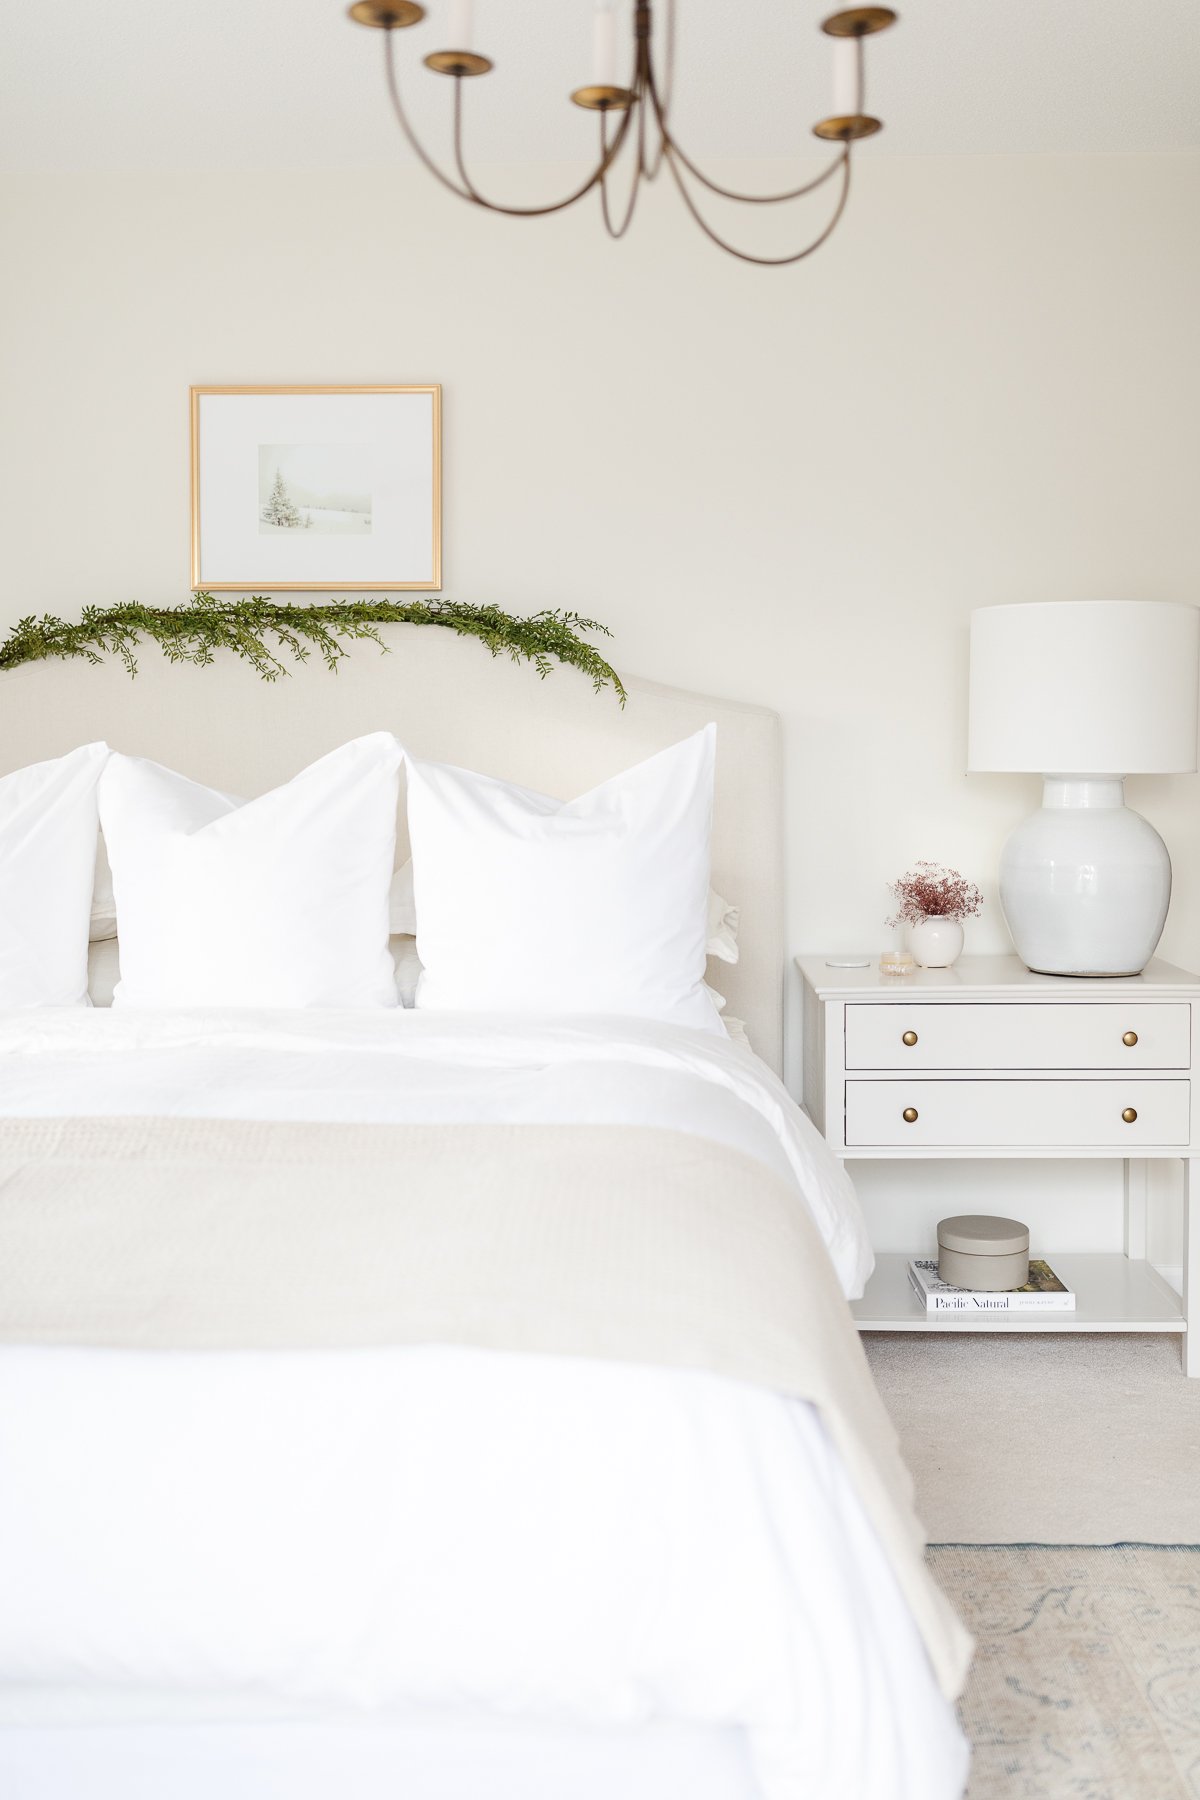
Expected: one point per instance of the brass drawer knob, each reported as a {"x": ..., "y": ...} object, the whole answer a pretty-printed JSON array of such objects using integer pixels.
[
  {"x": 909, "y": 1038},
  {"x": 909, "y": 1115},
  {"x": 1129, "y": 1039},
  {"x": 1129, "y": 1115}
]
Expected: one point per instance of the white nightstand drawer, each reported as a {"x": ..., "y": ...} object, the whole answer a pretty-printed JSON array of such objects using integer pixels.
[
  {"x": 977, "y": 1035},
  {"x": 1010, "y": 1114}
]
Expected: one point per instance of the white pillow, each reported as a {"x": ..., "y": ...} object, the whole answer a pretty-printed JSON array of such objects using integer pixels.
[
  {"x": 408, "y": 968},
  {"x": 104, "y": 907},
  {"x": 723, "y": 919},
  {"x": 597, "y": 905},
  {"x": 279, "y": 901},
  {"x": 104, "y": 970},
  {"x": 47, "y": 861}
]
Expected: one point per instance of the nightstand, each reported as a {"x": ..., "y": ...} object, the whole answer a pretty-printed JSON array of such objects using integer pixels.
[{"x": 986, "y": 1060}]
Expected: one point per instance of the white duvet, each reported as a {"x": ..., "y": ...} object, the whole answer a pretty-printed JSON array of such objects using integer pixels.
[{"x": 369, "y": 1531}]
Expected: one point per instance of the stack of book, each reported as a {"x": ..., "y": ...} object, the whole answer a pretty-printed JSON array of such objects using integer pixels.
[{"x": 1043, "y": 1292}]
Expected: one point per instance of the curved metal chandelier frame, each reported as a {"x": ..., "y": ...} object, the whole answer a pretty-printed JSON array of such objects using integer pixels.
[{"x": 648, "y": 103}]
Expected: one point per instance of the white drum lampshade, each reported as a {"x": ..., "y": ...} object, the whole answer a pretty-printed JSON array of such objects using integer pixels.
[{"x": 1083, "y": 694}]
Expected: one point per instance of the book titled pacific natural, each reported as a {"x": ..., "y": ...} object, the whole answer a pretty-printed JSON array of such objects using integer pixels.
[{"x": 1043, "y": 1292}]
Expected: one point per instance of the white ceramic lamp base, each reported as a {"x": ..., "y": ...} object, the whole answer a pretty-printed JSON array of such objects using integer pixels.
[{"x": 1085, "y": 883}]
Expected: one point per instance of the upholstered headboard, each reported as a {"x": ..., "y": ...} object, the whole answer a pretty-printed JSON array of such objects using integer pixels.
[{"x": 446, "y": 699}]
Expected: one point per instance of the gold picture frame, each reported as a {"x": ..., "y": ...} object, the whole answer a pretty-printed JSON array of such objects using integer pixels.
[{"x": 264, "y": 479}]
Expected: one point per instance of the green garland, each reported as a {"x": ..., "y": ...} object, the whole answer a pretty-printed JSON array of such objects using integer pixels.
[{"x": 192, "y": 633}]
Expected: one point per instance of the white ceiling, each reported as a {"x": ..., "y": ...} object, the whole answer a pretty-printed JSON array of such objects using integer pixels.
[{"x": 226, "y": 84}]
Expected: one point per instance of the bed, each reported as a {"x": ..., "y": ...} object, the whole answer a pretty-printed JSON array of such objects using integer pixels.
[{"x": 564, "y": 1530}]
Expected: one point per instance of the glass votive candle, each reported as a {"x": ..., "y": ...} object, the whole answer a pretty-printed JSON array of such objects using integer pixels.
[{"x": 896, "y": 962}]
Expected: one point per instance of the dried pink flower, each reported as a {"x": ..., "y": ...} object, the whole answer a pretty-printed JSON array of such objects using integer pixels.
[{"x": 931, "y": 892}]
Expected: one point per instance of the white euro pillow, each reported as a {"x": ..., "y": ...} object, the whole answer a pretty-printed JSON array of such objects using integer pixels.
[
  {"x": 47, "y": 864},
  {"x": 280, "y": 901},
  {"x": 526, "y": 904}
]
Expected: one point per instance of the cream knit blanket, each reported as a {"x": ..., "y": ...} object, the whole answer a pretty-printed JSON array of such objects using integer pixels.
[{"x": 627, "y": 1243}]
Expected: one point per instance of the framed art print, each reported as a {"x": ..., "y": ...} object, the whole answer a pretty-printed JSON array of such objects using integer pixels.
[{"x": 316, "y": 487}]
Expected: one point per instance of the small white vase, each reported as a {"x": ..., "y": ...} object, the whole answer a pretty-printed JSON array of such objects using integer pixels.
[{"x": 936, "y": 942}]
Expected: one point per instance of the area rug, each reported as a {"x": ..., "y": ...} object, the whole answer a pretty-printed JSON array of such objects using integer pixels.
[
  {"x": 1055, "y": 1439},
  {"x": 1086, "y": 1680}
]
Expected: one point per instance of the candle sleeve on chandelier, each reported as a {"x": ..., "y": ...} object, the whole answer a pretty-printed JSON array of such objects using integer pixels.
[
  {"x": 462, "y": 25},
  {"x": 604, "y": 44},
  {"x": 847, "y": 100}
]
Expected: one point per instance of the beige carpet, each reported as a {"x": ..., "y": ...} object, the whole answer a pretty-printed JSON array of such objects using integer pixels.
[
  {"x": 1056, "y": 1439},
  {"x": 1086, "y": 1681}
]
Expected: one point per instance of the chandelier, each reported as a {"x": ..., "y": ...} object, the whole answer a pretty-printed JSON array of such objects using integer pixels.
[{"x": 641, "y": 112}]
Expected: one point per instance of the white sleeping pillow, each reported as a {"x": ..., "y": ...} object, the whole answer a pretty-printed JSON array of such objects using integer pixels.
[
  {"x": 47, "y": 865},
  {"x": 104, "y": 970},
  {"x": 408, "y": 968},
  {"x": 280, "y": 901},
  {"x": 723, "y": 919},
  {"x": 104, "y": 907},
  {"x": 527, "y": 904}
]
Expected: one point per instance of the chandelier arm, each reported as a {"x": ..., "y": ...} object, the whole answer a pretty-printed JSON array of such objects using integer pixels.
[
  {"x": 662, "y": 109},
  {"x": 415, "y": 144},
  {"x": 469, "y": 191},
  {"x": 459, "y": 164},
  {"x": 643, "y": 167},
  {"x": 714, "y": 187},
  {"x": 670, "y": 143},
  {"x": 766, "y": 262},
  {"x": 596, "y": 178},
  {"x": 618, "y": 231}
]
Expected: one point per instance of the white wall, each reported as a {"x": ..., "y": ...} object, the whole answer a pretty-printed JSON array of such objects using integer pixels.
[{"x": 790, "y": 486}]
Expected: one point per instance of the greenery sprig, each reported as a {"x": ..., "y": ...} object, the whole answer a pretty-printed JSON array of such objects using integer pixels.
[{"x": 261, "y": 629}]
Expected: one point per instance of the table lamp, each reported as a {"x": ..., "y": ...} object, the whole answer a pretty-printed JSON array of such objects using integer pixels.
[{"x": 1084, "y": 693}]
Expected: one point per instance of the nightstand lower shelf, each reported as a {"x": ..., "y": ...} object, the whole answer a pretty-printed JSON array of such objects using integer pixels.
[{"x": 1113, "y": 1293}]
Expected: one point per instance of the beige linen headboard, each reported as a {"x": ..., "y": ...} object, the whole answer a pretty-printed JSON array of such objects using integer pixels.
[{"x": 446, "y": 699}]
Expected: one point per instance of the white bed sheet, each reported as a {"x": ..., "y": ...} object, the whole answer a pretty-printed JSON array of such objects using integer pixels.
[
  {"x": 358, "y": 1533},
  {"x": 339, "y": 1538},
  {"x": 456, "y": 1757},
  {"x": 393, "y": 1065}
]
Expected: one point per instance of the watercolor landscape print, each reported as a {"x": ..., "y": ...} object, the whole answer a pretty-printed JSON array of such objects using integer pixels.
[{"x": 314, "y": 487}]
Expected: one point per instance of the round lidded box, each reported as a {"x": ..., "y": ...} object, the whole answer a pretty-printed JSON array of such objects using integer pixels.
[{"x": 988, "y": 1254}]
